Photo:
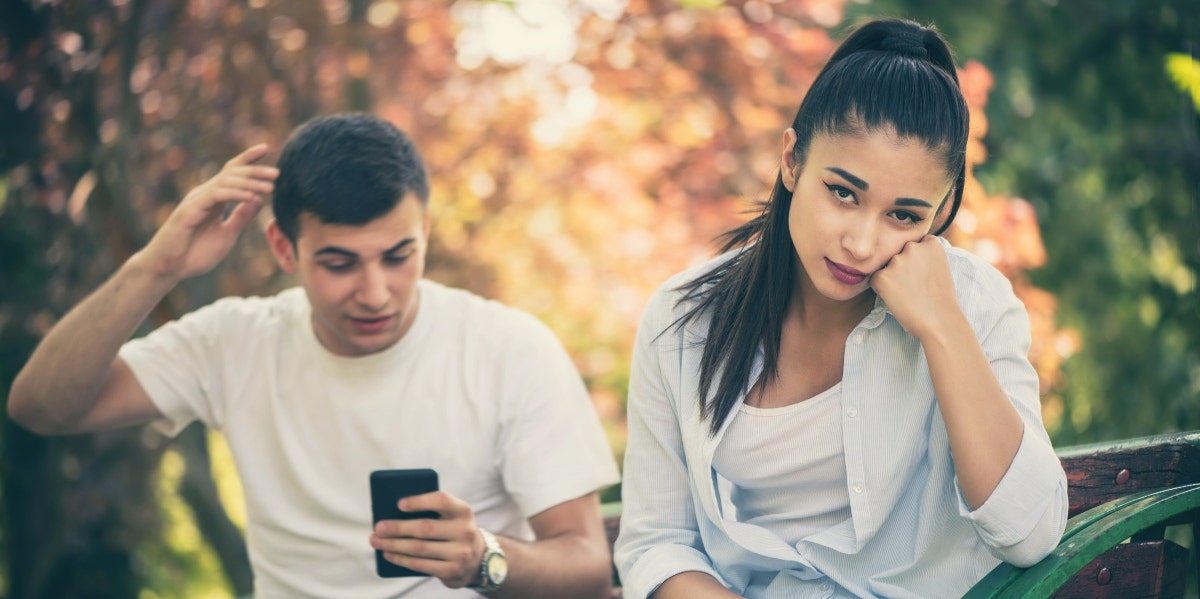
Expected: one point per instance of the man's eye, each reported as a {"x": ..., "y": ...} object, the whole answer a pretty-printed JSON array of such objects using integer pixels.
[
  {"x": 337, "y": 266},
  {"x": 396, "y": 259}
]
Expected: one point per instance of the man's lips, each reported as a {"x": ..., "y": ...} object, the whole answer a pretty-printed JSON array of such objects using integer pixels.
[
  {"x": 845, "y": 274},
  {"x": 372, "y": 324}
]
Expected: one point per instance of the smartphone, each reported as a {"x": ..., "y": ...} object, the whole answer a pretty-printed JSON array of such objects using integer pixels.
[{"x": 387, "y": 488}]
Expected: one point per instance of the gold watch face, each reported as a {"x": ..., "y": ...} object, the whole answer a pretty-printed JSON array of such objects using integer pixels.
[{"x": 497, "y": 568}]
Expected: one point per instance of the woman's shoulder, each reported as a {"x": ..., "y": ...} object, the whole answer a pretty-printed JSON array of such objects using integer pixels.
[
  {"x": 977, "y": 283},
  {"x": 674, "y": 295}
]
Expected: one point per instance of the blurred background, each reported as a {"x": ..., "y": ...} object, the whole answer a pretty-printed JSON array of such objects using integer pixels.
[{"x": 581, "y": 151}]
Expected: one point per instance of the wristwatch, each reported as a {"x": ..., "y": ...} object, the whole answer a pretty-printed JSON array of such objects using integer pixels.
[{"x": 493, "y": 566}]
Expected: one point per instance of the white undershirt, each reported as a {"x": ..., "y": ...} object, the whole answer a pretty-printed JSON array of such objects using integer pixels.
[{"x": 798, "y": 487}]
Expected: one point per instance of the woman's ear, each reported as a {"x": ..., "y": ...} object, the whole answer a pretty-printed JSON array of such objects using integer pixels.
[
  {"x": 281, "y": 247},
  {"x": 789, "y": 167}
]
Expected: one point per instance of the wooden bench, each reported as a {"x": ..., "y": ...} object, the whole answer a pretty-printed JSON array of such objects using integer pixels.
[{"x": 1123, "y": 496}]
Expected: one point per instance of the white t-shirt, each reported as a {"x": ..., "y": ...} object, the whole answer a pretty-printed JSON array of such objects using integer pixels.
[
  {"x": 794, "y": 485},
  {"x": 482, "y": 393}
]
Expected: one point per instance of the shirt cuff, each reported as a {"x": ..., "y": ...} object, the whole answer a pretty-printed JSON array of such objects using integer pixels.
[
  {"x": 1021, "y": 499},
  {"x": 661, "y": 562}
]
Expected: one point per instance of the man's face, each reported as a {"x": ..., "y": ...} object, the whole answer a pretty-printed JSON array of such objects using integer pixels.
[{"x": 361, "y": 280}]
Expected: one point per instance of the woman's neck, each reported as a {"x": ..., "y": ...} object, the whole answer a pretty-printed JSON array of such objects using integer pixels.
[{"x": 815, "y": 312}]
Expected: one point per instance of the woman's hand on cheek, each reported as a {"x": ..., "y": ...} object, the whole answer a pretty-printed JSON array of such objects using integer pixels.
[{"x": 916, "y": 286}]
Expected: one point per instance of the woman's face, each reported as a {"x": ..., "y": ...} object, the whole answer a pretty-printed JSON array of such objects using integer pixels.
[{"x": 856, "y": 200}]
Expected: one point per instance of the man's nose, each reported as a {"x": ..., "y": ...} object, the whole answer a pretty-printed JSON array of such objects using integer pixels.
[{"x": 373, "y": 292}]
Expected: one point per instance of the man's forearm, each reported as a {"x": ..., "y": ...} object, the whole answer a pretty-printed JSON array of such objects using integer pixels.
[
  {"x": 66, "y": 372},
  {"x": 565, "y": 566}
]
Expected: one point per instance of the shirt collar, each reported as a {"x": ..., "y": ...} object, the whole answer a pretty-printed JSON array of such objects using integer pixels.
[{"x": 875, "y": 317}]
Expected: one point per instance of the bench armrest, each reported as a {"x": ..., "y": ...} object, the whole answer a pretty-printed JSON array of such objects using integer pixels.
[{"x": 1087, "y": 536}]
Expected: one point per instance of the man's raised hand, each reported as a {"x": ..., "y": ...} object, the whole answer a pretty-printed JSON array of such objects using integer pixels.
[{"x": 206, "y": 223}]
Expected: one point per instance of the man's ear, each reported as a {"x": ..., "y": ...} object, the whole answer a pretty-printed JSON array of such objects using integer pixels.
[
  {"x": 281, "y": 247},
  {"x": 789, "y": 169}
]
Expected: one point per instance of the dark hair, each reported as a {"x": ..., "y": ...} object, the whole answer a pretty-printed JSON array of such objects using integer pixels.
[
  {"x": 889, "y": 73},
  {"x": 346, "y": 169}
]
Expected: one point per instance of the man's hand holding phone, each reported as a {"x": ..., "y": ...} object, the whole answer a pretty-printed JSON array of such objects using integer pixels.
[{"x": 448, "y": 547}]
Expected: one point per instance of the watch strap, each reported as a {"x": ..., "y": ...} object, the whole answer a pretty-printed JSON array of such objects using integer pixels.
[{"x": 490, "y": 547}]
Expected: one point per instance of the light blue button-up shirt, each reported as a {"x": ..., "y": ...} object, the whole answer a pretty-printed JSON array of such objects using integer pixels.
[{"x": 910, "y": 534}]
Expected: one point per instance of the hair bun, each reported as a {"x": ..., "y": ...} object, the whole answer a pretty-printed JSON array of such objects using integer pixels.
[{"x": 908, "y": 43}]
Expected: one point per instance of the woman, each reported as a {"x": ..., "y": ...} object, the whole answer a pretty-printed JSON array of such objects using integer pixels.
[{"x": 842, "y": 403}]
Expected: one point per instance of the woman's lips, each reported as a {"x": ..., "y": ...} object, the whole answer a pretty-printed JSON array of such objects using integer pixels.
[{"x": 845, "y": 274}]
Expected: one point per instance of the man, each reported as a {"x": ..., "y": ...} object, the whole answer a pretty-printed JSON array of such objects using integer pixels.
[{"x": 365, "y": 366}]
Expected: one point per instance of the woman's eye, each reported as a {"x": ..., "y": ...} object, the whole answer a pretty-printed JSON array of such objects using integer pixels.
[
  {"x": 908, "y": 218},
  {"x": 840, "y": 192}
]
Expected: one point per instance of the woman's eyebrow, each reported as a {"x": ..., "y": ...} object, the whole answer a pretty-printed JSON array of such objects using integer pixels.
[
  {"x": 863, "y": 185},
  {"x": 855, "y": 181}
]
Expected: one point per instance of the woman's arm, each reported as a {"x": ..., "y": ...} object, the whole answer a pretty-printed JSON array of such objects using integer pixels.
[
  {"x": 693, "y": 585},
  {"x": 1012, "y": 483},
  {"x": 984, "y": 427},
  {"x": 660, "y": 535}
]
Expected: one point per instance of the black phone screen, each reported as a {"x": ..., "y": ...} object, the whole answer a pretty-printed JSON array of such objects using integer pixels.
[{"x": 387, "y": 488}]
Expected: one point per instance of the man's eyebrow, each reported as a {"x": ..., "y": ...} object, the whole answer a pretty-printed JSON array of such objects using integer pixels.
[
  {"x": 913, "y": 202},
  {"x": 855, "y": 181},
  {"x": 336, "y": 251},
  {"x": 399, "y": 246},
  {"x": 345, "y": 253}
]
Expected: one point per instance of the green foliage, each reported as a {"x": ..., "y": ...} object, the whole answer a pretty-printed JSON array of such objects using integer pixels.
[
  {"x": 1185, "y": 71},
  {"x": 1088, "y": 127},
  {"x": 180, "y": 565}
]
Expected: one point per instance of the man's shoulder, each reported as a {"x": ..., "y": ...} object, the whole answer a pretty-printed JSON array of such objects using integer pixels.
[
  {"x": 458, "y": 305},
  {"x": 255, "y": 315},
  {"x": 234, "y": 328},
  {"x": 283, "y": 304}
]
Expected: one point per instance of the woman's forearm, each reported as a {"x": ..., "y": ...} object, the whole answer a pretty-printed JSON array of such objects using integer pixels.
[
  {"x": 692, "y": 585},
  {"x": 984, "y": 427}
]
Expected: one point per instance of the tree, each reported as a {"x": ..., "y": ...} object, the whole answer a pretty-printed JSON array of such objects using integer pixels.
[{"x": 580, "y": 154}]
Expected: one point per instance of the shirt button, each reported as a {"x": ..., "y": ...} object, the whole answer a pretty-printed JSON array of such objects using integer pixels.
[
  {"x": 858, "y": 338},
  {"x": 852, "y": 412},
  {"x": 825, "y": 587},
  {"x": 858, "y": 488}
]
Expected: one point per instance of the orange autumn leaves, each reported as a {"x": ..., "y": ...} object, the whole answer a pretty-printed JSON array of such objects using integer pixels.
[
  {"x": 580, "y": 229},
  {"x": 570, "y": 189}
]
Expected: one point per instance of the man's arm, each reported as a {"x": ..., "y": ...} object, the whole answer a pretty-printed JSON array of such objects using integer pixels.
[
  {"x": 569, "y": 559},
  {"x": 74, "y": 381}
]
